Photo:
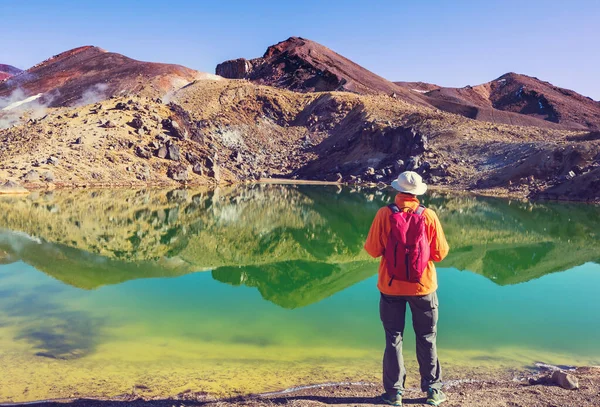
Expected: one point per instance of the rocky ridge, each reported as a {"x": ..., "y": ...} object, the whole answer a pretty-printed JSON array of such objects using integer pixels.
[{"x": 515, "y": 99}]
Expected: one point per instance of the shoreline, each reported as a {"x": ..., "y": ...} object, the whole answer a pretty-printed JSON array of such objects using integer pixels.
[
  {"x": 524, "y": 388},
  {"x": 495, "y": 193}
]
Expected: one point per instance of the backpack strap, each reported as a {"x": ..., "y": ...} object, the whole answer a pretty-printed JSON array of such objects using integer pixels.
[{"x": 394, "y": 208}]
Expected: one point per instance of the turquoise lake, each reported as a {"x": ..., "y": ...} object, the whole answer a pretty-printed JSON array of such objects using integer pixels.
[{"x": 260, "y": 288}]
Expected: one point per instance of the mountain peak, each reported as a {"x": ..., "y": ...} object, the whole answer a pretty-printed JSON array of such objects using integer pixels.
[
  {"x": 86, "y": 51},
  {"x": 289, "y": 45},
  {"x": 303, "y": 65}
]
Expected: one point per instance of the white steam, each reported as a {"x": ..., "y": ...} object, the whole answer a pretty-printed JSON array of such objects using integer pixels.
[
  {"x": 93, "y": 94},
  {"x": 19, "y": 103},
  {"x": 18, "y": 106}
]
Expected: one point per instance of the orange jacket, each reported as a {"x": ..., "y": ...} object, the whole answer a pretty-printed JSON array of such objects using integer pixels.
[{"x": 378, "y": 236}]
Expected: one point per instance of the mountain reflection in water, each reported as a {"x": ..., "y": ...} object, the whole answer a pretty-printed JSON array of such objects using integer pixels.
[{"x": 296, "y": 244}]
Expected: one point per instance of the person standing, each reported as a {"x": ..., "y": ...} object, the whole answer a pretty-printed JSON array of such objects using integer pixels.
[{"x": 405, "y": 277}]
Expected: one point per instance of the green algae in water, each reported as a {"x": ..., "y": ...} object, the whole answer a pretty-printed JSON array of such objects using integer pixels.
[{"x": 262, "y": 288}]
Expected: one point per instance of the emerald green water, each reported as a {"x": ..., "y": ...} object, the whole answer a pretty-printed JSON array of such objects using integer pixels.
[{"x": 252, "y": 289}]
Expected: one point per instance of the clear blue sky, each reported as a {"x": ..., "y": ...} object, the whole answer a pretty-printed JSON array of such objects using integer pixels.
[{"x": 451, "y": 43}]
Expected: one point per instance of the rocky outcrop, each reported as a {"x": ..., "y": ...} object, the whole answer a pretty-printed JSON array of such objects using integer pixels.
[{"x": 235, "y": 69}]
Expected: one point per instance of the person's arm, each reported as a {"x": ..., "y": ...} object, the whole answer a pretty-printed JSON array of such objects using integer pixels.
[
  {"x": 375, "y": 244},
  {"x": 438, "y": 245}
]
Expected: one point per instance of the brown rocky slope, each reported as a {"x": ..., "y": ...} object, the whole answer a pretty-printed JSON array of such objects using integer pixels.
[
  {"x": 88, "y": 74},
  {"x": 235, "y": 131},
  {"x": 538, "y": 103}
]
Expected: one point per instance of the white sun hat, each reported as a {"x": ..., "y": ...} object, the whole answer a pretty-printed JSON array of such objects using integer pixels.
[{"x": 410, "y": 182}]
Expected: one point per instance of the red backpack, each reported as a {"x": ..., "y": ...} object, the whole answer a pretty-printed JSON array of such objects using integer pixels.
[{"x": 407, "y": 249}]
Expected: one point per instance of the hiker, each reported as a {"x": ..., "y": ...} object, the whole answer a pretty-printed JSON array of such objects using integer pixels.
[{"x": 409, "y": 237}]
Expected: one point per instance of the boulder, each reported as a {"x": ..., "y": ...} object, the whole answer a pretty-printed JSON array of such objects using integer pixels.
[
  {"x": 173, "y": 152},
  {"x": 191, "y": 158},
  {"x": 565, "y": 380},
  {"x": 399, "y": 166},
  {"x": 109, "y": 124},
  {"x": 213, "y": 168},
  {"x": 136, "y": 123},
  {"x": 162, "y": 152},
  {"x": 421, "y": 143},
  {"x": 178, "y": 173},
  {"x": 52, "y": 161},
  {"x": 424, "y": 167},
  {"x": 413, "y": 163},
  {"x": 198, "y": 169},
  {"x": 31, "y": 176},
  {"x": 142, "y": 152},
  {"x": 48, "y": 176},
  {"x": 174, "y": 129},
  {"x": 177, "y": 131}
]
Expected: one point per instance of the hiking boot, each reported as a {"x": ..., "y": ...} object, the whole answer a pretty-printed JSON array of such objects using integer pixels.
[
  {"x": 392, "y": 399},
  {"x": 435, "y": 397}
]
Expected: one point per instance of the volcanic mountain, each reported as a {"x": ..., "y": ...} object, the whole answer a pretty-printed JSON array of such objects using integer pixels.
[
  {"x": 515, "y": 93},
  {"x": 6, "y": 71},
  {"x": 225, "y": 131},
  {"x": 88, "y": 74},
  {"x": 303, "y": 65}
]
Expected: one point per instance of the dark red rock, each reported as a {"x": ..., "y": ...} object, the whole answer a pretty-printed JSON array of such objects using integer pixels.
[{"x": 234, "y": 69}]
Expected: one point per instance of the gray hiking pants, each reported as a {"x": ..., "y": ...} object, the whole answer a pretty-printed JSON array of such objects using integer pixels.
[{"x": 392, "y": 310}]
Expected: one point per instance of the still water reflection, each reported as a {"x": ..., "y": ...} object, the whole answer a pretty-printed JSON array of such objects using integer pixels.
[{"x": 257, "y": 288}]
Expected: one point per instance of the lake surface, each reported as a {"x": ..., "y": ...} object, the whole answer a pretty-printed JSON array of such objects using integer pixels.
[{"x": 253, "y": 289}]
